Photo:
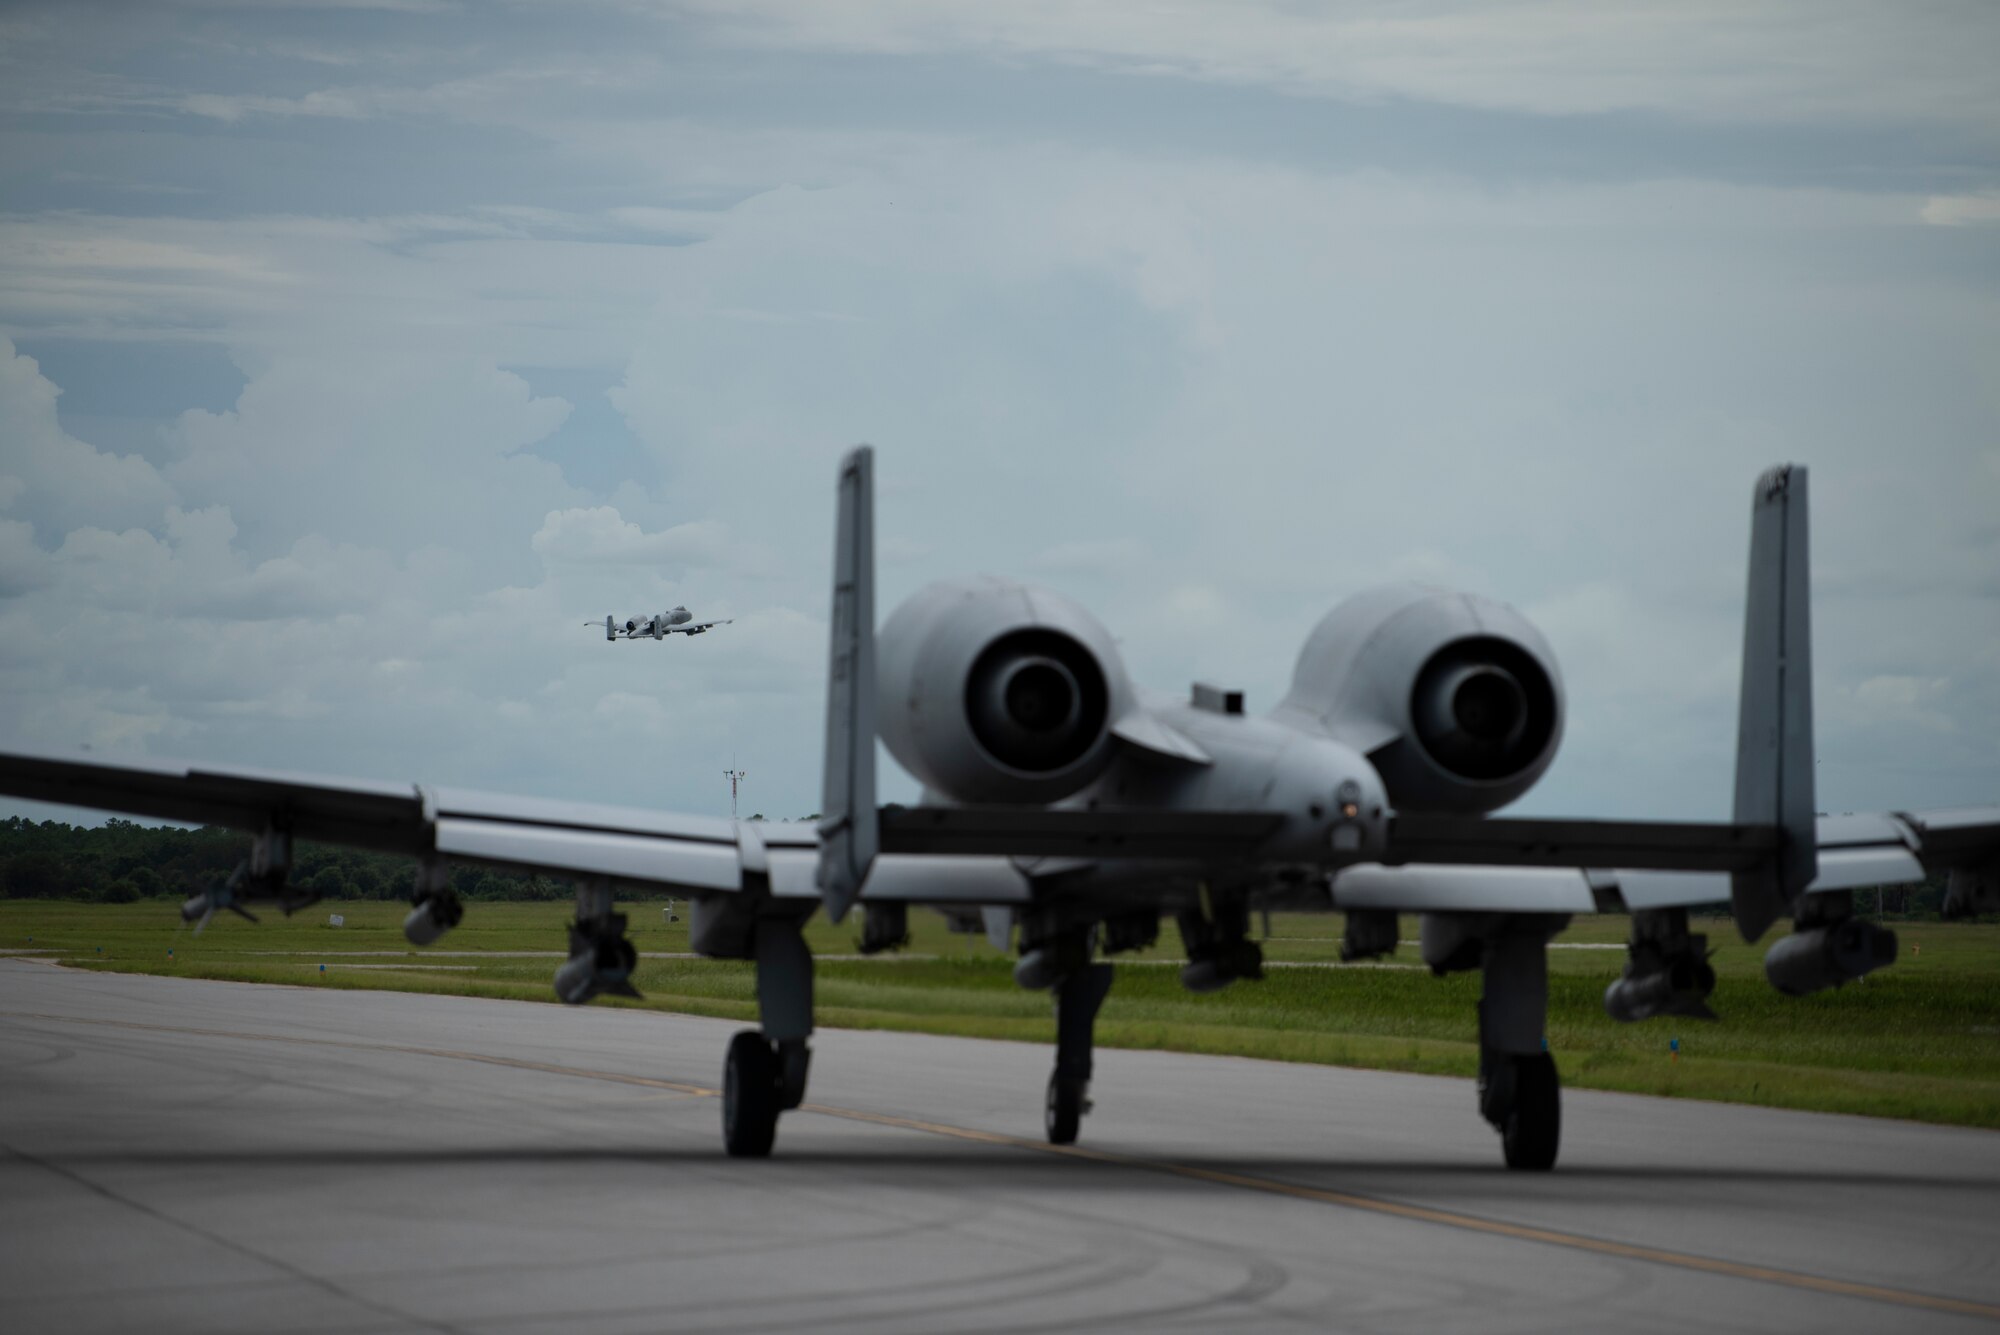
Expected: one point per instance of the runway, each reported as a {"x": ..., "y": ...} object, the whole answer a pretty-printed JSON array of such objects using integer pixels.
[{"x": 184, "y": 1155}]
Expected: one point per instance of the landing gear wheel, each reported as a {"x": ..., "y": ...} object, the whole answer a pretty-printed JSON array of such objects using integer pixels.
[
  {"x": 750, "y": 1096},
  {"x": 1066, "y": 1107},
  {"x": 1532, "y": 1128}
]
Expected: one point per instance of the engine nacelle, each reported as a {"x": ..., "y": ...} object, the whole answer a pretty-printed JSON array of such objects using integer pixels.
[
  {"x": 992, "y": 691},
  {"x": 1455, "y": 698}
]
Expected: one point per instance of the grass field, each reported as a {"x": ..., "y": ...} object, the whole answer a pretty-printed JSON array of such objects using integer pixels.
[{"x": 1919, "y": 1040}]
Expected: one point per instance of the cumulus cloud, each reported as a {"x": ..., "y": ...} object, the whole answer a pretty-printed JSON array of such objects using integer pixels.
[
  {"x": 1962, "y": 210},
  {"x": 23, "y": 565},
  {"x": 599, "y": 535},
  {"x": 57, "y": 478},
  {"x": 1773, "y": 61},
  {"x": 1211, "y": 385}
]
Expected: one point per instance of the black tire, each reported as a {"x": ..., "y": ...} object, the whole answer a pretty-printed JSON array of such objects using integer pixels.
[
  {"x": 1065, "y": 1110},
  {"x": 1533, "y": 1128},
  {"x": 750, "y": 1096}
]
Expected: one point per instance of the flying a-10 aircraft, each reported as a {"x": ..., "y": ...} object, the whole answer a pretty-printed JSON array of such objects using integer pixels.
[
  {"x": 674, "y": 622},
  {"x": 1071, "y": 814}
]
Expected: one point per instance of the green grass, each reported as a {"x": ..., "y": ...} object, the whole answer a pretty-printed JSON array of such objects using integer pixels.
[{"x": 1919, "y": 1040}]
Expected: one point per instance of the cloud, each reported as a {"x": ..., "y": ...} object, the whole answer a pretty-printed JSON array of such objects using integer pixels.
[
  {"x": 1962, "y": 210},
  {"x": 600, "y": 536},
  {"x": 1787, "y": 61},
  {"x": 59, "y": 480},
  {"x": 1094, "y": 556},
  {"x": 1218, "y": 379},
  {"x": 23, "y": 565}
]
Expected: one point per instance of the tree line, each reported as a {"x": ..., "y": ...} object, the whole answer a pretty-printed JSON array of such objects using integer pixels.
[{"x": 122, "y": 861}]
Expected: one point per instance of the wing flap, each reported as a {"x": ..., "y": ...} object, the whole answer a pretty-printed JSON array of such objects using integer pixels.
[
  {"x": 1956, "y": 837},
  {"x": 681, "y": 863}
]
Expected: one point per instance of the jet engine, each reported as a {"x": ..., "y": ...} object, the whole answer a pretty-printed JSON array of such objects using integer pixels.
[
  {"x": 1454, "y": 698},
  {"x": 992, "y": 691}
]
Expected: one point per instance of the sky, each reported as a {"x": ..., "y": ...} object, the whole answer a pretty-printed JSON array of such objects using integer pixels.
[{"x": 354, "y": 355}]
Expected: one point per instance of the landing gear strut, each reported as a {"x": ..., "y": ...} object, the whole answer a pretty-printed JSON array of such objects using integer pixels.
[
  {"x": 1078, "y": 999},
  {"x": 765, "y": 1072},
  {"x": 1519, "y": 1091}
]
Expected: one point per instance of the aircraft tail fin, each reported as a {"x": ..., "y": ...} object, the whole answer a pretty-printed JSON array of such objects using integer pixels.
[
  {"x": 849, "y": 830},
  {"x": 1774, "y": 726}
]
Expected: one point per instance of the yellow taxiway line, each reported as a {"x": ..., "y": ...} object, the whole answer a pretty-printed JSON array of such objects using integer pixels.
[{"x": 1215, "y": 1176}]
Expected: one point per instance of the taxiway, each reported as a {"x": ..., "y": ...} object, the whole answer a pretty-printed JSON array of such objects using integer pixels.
[{"x": 184, "y": 1155}]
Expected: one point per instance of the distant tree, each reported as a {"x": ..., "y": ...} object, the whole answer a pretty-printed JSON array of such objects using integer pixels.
[{"x": 120, "y": 891}]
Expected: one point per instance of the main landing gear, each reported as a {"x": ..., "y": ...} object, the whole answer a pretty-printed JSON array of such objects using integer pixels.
[
  {"x": 1520, "y": 1093},
  {"x": 765, "y": 1072},
  {"x": 1078, "y": 999}
]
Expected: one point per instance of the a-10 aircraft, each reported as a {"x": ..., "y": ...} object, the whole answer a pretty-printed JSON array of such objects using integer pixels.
[
  {"x": 1070, "y": 813},
  {"x": 677, "y": 621}
]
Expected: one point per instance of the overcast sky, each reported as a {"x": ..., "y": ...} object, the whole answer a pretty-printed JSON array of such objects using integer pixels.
[{"x": 352, "y": 356}]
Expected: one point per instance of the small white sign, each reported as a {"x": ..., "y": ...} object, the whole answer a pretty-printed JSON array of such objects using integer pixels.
[{"x": 335, "y": 920}]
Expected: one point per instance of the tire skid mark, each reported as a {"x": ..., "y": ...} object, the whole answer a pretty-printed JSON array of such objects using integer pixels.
[{"x": 1213, "y": 1176}]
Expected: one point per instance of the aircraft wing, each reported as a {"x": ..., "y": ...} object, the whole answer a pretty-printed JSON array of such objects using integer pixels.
[
  {"x": 1498, "y": 865},
  {"x": 628, "y": 845},
  {"x": 698, "y": 627}
]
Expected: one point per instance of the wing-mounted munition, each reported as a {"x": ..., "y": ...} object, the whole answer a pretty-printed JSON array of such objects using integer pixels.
[
  {"x": 262, "y": 878},
  {"x": 435, "y": 906},
  {"x": 1666, "y": 970}
]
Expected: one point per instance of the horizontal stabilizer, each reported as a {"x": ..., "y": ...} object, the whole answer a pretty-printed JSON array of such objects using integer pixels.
[
  {"x": 1520, "y": 842},
  {"x": 1039, "y": 832}
]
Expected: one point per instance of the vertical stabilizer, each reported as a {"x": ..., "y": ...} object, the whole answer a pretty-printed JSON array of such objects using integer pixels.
[
  {"x": 1774, "y": 728},
  {"x": 848, "y": 834}
]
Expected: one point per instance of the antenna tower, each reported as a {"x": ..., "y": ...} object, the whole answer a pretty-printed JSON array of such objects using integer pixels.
[{"x": 735, "y": 776}]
